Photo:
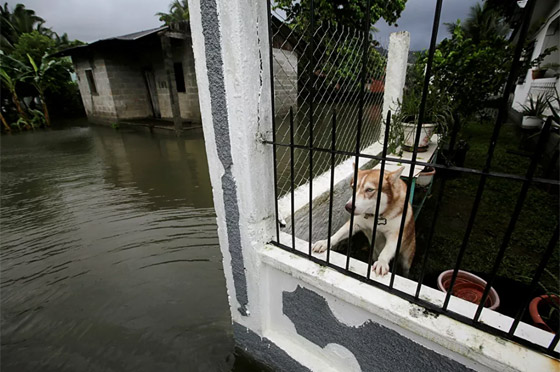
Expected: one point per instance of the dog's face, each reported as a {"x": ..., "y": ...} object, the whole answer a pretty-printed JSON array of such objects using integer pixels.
[{"x": 367, "y": 187}]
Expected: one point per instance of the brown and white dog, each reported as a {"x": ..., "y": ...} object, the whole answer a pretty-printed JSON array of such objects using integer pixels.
[{"x": 390, "y": 214}]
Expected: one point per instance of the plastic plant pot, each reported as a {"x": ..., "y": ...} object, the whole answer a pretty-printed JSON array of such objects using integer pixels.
[
  {"x": 469, "y": 287},
  {"x": 538, "y": 306},
  {"x": 410, "y": 135}
]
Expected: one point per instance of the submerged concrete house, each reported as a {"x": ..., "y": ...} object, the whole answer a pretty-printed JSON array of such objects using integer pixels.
[
  {"x": 150, "y": 74},
  {"x": 146, "y": 74}
]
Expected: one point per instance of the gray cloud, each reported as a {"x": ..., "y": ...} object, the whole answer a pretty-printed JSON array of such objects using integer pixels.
[
  {"x": 88, "y": 20},
  {"x": 418, "y": 17}
]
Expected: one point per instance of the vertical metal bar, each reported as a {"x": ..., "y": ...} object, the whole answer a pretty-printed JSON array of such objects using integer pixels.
[
  {"x": 554, "y": 342},
  {"x": 379, "y": 192},
  {"x": 271, "y": 59},
  {"x": 331, "y": 190},
  {"x": 292, "y": 187},
  {"x": 421, "y": 113},
  {"x": 542, "y": 265},
  {"x": 311, "y": 98},
  {"x": 430, "y": 237},
  {"x": 502, "y": 114},
  {"x": 362, "y": 87},
  {"x": 516, "y": 212}
]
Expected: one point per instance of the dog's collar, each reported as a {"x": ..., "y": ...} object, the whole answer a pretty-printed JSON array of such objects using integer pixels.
[{"x": 380, "y": 220}]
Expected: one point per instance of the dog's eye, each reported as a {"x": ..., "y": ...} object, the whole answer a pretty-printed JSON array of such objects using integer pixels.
[{"x": 370, "y": 190}]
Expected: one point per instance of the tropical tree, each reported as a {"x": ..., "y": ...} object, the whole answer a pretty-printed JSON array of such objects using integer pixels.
[
  {"x": 18, "y": 22},
  {"x": 10, "y": 83},
  {"x": 178, "y": 12},
  {"x": 342, "y": 12}
]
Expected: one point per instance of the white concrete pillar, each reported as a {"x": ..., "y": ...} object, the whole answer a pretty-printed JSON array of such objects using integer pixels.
[
  {"x": 230, "y": 45},
  {"x": 395, "y": 77}
]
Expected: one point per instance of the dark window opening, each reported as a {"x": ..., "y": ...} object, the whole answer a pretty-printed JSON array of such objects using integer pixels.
[
  {"x": 91, "y": 82},
  {"x": 179, "y": 77}
]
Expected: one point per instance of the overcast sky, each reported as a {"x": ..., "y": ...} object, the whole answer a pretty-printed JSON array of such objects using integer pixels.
[{"x": 88, "y": 20}]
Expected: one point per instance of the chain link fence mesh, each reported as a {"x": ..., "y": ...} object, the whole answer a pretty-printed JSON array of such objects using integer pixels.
[{"x": 327, "y": 66}]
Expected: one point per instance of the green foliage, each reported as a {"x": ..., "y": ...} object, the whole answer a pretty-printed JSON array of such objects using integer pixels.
[
  {"x": 536, "y": 106},
  {"x": 33, "y": 44},
  {"x": 178, "y": 12},
  {"x": 343, "y": 12},
  {"x": 115, "y": 126},
  {"x": 470, "y": 72},
  {"x": 28, "y": 70}
]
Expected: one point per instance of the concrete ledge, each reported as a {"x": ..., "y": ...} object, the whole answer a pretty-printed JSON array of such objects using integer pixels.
[{"x": 474, "y": 348}]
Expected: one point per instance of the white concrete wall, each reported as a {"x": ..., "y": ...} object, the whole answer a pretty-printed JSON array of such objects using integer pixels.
[
  {"x": 101, "y": 104},
  {"x": 395, "y": 78},
  {"x": 230, "y": 46},
  {"x": 541, "y": 43},
  {"x": 285, "y": 64}
]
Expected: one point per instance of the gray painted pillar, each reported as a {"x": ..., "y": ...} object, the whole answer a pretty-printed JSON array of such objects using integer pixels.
[
  {"x": 397, "y": 59},
  {"x": 171, "y": 85},
  {"x": 230, "y": 45}
]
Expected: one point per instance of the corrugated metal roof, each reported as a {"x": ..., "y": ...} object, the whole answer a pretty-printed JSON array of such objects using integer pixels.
[
  {"x": 134, "y": 35},
  {"x": 128, "y": 37}
]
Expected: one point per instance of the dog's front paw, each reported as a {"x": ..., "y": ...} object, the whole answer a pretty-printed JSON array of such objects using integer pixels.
[
  {"x": 380, "y": 268},
  {"x": 320, "y": 246}
]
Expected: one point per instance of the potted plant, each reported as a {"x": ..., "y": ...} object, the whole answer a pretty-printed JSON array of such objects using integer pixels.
[
  {"x": 405, "y": 120},
  {"x": 469, "y": 287},
  {"x": 545, "y": 312},
  {"x": 539, "y": 71},
  {"x": 426, "y": 176},
  {"x": 533, "y": 112}
]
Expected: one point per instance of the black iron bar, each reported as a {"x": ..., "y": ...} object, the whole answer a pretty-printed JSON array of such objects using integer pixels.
[
  {"x": 311, "y": 98},
  {"x": 502, "y": 113},
  {"x": 331, "y": 189},
  {"x": 292, "y": 187},
  {"x": 554, "y": 342},
  {"x": 421, "y": 114},
  {"x": 516, "y": 212},
  {"x": 472, "y": 172},
  {"x": 362, "y": 87},
  {"x": 379, "y": 192},
  {"x": 534, "y": 283},
  {"x": 430, "y": 237},
  {"x": 435, "y": 309},
  {"x": 268, "y": 7}
]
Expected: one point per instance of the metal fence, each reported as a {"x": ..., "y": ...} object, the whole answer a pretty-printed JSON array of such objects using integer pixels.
[
  {"x": 324, "y": 63},
  {"x": 292, "y": 132}
]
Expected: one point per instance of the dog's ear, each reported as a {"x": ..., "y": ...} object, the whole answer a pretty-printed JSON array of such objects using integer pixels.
[{"x": 394, "y": 176}]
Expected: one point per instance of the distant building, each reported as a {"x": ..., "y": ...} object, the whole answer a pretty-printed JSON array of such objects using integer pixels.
[
  {"x": 150, "y": 74},
  {"x": 546, "y": 20},
  {"x": 139, "y": 75}
]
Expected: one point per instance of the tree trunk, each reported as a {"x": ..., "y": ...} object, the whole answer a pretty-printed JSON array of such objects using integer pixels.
[
  {"x": 20, "y": 111},
  {"x": 45, "y": 109},
  {"x": 6, "y": 126}
]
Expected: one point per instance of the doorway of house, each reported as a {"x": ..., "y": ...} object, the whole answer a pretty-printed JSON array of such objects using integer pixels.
[{"x": 151, "y": 85}]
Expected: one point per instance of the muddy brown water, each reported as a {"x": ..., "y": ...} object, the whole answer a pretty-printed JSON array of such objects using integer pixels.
[{"x": 109, "y": 254}]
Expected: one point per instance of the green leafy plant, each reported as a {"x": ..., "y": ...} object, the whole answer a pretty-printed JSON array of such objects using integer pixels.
[
  {"x": 536, "y": 106},
  {"x": 115, "y": 125},
  {"x": 536, "y": 63}
]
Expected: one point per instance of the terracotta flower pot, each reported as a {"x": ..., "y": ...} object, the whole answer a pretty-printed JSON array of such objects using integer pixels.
[
  {"x": 469, "y": 287},
  {"x": 538, "y": 74},
  {"x": 425, "y": 177},
  {"x": 542, "y": 301}
]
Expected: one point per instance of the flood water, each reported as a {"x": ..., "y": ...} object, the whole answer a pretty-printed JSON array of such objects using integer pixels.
[{"x": 109, "y": 254}]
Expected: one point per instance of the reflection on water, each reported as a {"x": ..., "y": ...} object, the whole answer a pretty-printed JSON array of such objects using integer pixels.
[{"x": 109, "y": 254}]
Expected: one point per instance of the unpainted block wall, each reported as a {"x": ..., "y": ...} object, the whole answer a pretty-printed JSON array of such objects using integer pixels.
[
  {"x": 101, "y": 104},
  {"x": 188, "y": 101},
  {"x": 130, "y": 93},
  {"x": 285, "y": 64}
]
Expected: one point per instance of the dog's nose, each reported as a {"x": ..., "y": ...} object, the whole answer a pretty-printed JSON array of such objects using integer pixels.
[{"x": 349, "y": 207}]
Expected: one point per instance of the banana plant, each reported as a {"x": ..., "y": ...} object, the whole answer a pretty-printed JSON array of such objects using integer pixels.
[
  {"x": 10, "y": 84},
  {"x": 39, "y": 79}
]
